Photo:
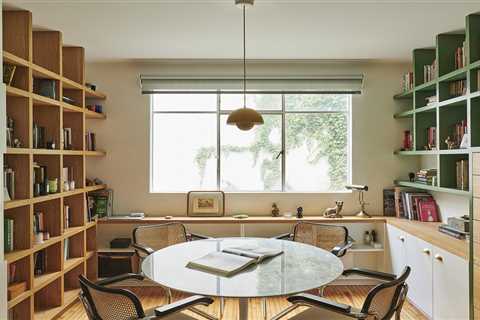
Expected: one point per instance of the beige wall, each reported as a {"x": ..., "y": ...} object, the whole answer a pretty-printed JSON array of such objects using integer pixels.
[{"x": 125, "y": 135}]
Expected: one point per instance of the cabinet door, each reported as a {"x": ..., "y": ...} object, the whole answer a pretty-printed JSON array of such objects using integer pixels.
[
  {"x": 420, "y": 288},
  {"x": 397, "y": 243},
  {"x": 450, "y": 286}
]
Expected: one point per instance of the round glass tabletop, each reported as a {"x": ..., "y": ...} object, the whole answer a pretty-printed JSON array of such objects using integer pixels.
[{"x": 301, "y": 267}]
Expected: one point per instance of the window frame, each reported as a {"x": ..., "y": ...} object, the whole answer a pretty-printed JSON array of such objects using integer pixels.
[{"x": 281, "y": 111}]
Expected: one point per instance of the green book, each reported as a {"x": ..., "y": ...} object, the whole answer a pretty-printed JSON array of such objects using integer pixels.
[
  {"x": 8, "y": 234},
  {"x": 101, "y": 206}
]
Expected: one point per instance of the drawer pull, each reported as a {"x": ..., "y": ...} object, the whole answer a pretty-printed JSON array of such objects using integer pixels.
[
  {"x": 401, "y": 238},
  {"x": 439, "y": 257},
  {"x": 426, "y": 251}
]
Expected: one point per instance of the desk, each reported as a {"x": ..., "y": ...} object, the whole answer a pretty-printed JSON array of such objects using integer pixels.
[{"x": 300, "y": 268}]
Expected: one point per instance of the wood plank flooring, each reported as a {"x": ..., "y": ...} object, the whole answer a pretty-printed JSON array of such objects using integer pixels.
[{"x": 352, "y": 295}]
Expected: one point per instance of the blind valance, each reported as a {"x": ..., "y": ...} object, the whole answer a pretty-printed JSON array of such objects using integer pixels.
[{"x": 311, "y": 84}]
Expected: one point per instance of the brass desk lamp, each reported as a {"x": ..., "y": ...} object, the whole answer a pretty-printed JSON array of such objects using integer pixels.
[{"x": 360, "y": 188}]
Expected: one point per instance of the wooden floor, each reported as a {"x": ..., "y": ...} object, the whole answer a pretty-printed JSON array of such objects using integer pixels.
[{"x": 352, "y": 295}]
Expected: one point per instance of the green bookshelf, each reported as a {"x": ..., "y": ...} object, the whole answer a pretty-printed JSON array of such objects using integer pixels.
[{"x": 447, "y": 110}]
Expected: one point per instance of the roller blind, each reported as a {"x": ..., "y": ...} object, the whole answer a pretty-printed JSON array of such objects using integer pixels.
[{"x": 320, "y": 84}]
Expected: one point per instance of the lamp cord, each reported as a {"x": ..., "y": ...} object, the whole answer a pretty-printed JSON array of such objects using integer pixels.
[{"x": 244, "y": 63}]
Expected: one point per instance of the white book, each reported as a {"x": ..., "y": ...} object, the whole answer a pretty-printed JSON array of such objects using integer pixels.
[{"x": 232, "y": 260}]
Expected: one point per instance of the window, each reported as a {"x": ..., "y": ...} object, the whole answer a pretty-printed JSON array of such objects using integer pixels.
[{"x": 304, "y": 145}]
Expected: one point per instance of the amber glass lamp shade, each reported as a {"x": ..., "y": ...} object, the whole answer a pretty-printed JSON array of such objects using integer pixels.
[{"x": 244, "y": 118}]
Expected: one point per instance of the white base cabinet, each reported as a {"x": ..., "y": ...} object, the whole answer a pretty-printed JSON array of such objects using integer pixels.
[{"x": 438, "y": 283}]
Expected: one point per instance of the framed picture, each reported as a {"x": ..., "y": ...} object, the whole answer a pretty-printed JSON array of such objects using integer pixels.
[{"x": 206, "y": 204}]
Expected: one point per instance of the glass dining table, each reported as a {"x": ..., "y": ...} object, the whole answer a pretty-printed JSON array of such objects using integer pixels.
[{"x": 300, "y": 268}]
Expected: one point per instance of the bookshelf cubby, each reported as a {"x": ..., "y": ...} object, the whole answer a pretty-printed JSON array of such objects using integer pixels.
[
  {"x": 448, "y": 107},
  {"x": 46, "y": 74}
]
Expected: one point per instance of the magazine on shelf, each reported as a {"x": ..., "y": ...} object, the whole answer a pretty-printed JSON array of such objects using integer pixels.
[{"x": 230, "y": 261}]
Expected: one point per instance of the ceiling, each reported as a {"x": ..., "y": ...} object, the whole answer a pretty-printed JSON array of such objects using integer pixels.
[{"x": 276, "y": 29}]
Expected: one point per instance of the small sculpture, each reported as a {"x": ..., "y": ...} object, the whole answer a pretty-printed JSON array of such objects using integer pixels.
[
  {"x": 450, "y": 143},
  {"x": 299, "y": 212},
  {"x": 411, "y": 177},
  {"x": 275, "y": 210},
  {"x": 334, "y": 212}
]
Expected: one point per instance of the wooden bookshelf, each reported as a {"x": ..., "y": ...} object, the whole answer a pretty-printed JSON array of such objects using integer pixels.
[
  {"x": 443, "y": 114},
  {"x": 42, "y": 55}
]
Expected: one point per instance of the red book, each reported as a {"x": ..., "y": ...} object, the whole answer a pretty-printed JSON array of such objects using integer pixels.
[{"x": 428, "y": 211}]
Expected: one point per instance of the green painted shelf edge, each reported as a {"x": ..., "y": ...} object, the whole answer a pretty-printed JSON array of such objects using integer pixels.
[
  {"x": 459, "y": 74},
  {"x": 432, "y": 188},
  {"x": 461, "y": 100},
  {"x": 430, "y": 152},
  {"x": 404, "y": 114},
  {"x": 404, "y": 95}
]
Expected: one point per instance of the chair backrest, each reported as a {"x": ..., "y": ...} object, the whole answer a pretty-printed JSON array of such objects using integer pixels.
[
  {"x": 387, "y": 298},
  {"x": 160, "y": 236},
  {"x": 324, "y": 236},
  {"x": 103, "y": 303}
]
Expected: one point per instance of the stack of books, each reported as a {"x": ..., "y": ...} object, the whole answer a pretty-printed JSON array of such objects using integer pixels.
[
  {"x": 462, "y": 174},
  {"x": 8, "y": 225},
  {"x": 425, "y": 176},
  {"x": 40, "y": 262},
  {"x": 39, "y": 136},
  {"x": 407, "y": 82},
  {"x": 90, "y": 141},
  {"x": 459, "y": 130},
  {"x": 460, "y": 57},
  {"x": 457, "y": 88},
  {"x": 8, "y": 183},
  {"x": 457, "y": 227},
  {"x": 413, "y": 204},
  {"x": 430, "y": 71}
]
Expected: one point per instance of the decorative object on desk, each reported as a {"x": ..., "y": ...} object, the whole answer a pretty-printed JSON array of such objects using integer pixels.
[
  {"x": 335, "y": 211},
  {"x": 360, "y": 189},
  {"x": 206, "y": 204},
  {"x": 275, "y": 210},
  {"x": 299, "y": 212},
  {"x": 244, "y": 118},
  {"x": 8, "y": 73},
  {"x": 411, "y": 176},
  {"x": 120, "y": 243},
  {"x": 462, "y": 174},
  {"x": 450, "y": 143},
  {"x": 45, "y": 87}
]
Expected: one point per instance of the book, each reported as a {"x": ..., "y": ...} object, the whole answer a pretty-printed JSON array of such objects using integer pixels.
[
  {"x": 45, "y": 87},
  {"x": 231, "y": 261},
  {"x": 428, "y": 210},
  {"x": 9, "y": 182},
  {"x": 102, "y": 203},
  {"x": 462, "y": 174},
  {"x": 8, "y": 234},
  {"x": 66, "y": 249},
  {"x": 8, "y": 73},
  {"x": 389, "y": 207},
  {"x": 452, "y": 232}
]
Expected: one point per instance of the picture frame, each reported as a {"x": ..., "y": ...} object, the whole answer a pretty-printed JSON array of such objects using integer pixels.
[{"x": 206, "y": 204}]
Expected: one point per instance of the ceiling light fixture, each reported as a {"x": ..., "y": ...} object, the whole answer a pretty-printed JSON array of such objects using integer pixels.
[{"x": 244, "y": 118}]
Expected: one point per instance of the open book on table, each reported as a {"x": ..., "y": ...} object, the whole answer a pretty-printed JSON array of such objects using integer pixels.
[{"x": 232, "y": 260}]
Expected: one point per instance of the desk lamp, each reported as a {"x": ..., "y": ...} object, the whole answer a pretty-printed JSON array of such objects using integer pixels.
[{"x": 360, "y": 188}]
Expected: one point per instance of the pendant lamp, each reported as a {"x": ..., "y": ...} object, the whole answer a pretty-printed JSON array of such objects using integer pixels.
[{"x": 244, "y": 118}]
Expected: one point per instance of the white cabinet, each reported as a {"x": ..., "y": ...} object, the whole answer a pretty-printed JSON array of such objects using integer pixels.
[
  {"x": 450, "y": 286},
  {"x": 420, "y": 284},
  {"x": 397, "y": 245},
  {"x": 439, "y": 281}
]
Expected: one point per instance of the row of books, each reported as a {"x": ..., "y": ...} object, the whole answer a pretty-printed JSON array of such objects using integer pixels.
[
  {"x": 38, "y": 222},
  {"x": 8, "y": 234},
  {"x": 90, "y": 141},
  {"x": 67, "y": 138},
  {"x": 457, "y": 88},
  {"x": 40, "y": 180},
  {"x": 407, "y": 82},
  {"x": 459, "y": 129},
  {"x": 66, "y": 216},
  {"x": 415, "y": 204},
  {"x": 66, "y": 249},
  {"x": 460, "y": 57},
  {"x": 40, "y": 262},
  {"x": 462, "y": 174},
  {"x": 8, "y": 183},
  {"x": 431, "y": 137},
  {"x": 45, "y": 87},
  {"x": 68, "y": 178},
  {"x": 426, "y": 176},
  {"x": 430, "y": 71}
]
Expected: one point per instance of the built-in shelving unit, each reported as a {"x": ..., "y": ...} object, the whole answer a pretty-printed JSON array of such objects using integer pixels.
[
  {"x": 448, "y": 109},
  {"x": 42, "y": 55}
]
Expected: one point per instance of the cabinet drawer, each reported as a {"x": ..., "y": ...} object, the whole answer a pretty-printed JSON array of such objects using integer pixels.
[
  {"x": 476, "y": 186},
  {"x": 476, "y": 163}
]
